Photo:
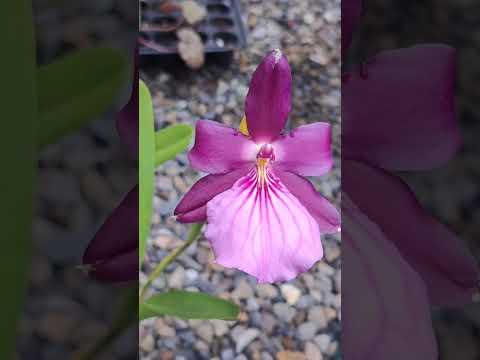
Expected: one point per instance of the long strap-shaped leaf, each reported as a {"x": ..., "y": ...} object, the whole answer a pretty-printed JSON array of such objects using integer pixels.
[
  {"x": 19, "y": 114},
  {"x": 188, "y": 305},
  {"x": 146, "y": 166},
  {"x": 78, "y": 88}
]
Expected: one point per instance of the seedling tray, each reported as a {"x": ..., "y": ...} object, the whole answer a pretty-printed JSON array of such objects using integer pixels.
[{"x": 221, "y": 31}]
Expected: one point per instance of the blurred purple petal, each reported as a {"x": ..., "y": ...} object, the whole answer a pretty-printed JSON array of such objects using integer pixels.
[
  {"x": 262, "y": 230},
  {"x": 306, "y": 151},
  {"x": 326, "y": 215},
  {"x": 117, "y": 237},
  {"x": 205, "y": 189},
  {"x": 127, "y": 121},
  {"x": 385, "y": 310},
  {"x": 120, "y": 268},
  {"x": 219, "y": 148},
  {"x": 440, "y": 258},
  {"x": 119, "y": 233},
  {"x": 351, "y": 12},
  {"x": 398, "y": 111},
  {"x": 268, "y": 101}
]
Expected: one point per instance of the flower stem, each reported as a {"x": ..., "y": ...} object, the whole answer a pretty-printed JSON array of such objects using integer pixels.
[{"x": 192, "y": 236}]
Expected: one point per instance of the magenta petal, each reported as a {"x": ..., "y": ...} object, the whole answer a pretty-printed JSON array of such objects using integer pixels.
[
  {"x": 306, "y": 150},
  {"x": 219, "y": 148},
  {"x": 439, "y": 257},
  {"x": 262, "y": 230},
  {"x": 268, "y": 100},
  {"x": 194, "y": 216},
  {"x": 398, "y": 112},
  {"x": 351, "y": 12},
  {"x": 188, "y": 209},
  {"x": 326, "y": 215},
  {"x": 385, "y": 309}
]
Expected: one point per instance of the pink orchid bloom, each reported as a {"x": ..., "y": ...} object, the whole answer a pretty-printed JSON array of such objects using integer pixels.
[{"x": 263, "y": 216}]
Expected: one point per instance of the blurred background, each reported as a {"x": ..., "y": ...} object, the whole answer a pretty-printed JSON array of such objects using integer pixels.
[
  {"x": 80, "y": 180},
  {"x": 452, "y": 192},
  {"x": 296, "y": 320}
]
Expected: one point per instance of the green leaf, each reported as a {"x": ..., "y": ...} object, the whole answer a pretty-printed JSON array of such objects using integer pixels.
[
  {"x": 18, "y": 158},
  {"x": 171, "y": 141},
  {"x": 146, "y": 166},
  {"x": 188, "y": 305},
  {"x": 77, "y": 89}
]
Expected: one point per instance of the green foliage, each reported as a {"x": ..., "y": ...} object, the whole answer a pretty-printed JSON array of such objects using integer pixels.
[
  {"x": 146, "y": 166},
  {"x": 76, "y": 89},
  {"x": 188, "y": 305},
  {"x": 171, "y": 141},
  {"x": 17, "y": 156}
]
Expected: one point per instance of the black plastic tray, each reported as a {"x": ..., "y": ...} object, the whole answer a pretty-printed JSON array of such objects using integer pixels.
[{"x": 221, "y": 31}]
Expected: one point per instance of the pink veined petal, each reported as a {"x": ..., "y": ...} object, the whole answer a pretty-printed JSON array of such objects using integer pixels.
[
  {"x": 306, "y": 150},
  {"x": 189, "y": 209},
  {"x": 435, "y": 253},
  {"x": 351, "y": 12},
  {"x": 398, "y": 112},
  {"x": 326, "y": 215},
  {"x": 268, "y": 101},
  {"x": 219, "y": 148},
  {"x": 385, "y": 309},
  {"x": 262, "y": 230}
]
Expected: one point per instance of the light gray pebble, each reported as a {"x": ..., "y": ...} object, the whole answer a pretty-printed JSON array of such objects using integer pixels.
[
  {"x": 205, "y": 331},
  {"x": 191, "y": 276},
  {"x": 245, "y": 338},
  {"x": 177, "y": 278},
  {"x": 307, "y": 331},
  {"x": 316, "y": 314},
  {"x": 290, "y": 293},
  {"x": 305, "y": 302},
  {"x": 227, "y": 354},
  {"x": 243, "y": 290},
  {"x": 252, "y": 305},
  {"x": 220, "y": 327},
  {"x": 323, "y": 341},
  {"x": 267, "y": 291},
  {"x": 284, "y": 311},
  {"x": 268, "y": 323}
]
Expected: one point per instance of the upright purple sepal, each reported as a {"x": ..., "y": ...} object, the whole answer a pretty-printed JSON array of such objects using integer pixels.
[{"x": 268, "y": 101}]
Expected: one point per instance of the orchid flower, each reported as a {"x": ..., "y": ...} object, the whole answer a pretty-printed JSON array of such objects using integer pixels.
[{"x": 263, "y": 216}]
